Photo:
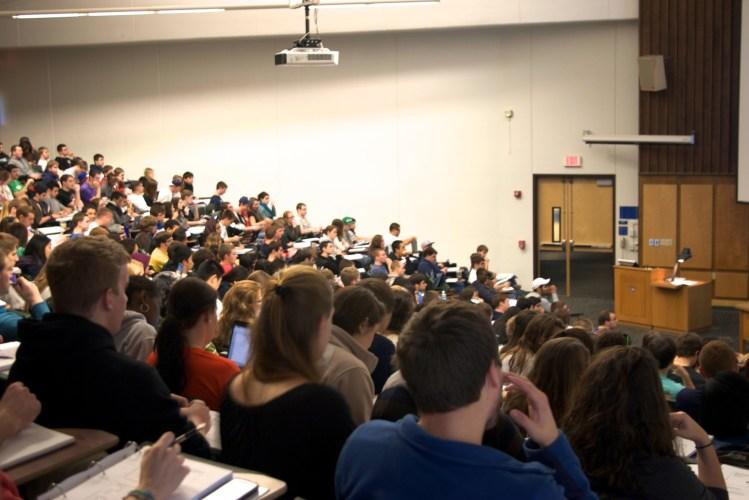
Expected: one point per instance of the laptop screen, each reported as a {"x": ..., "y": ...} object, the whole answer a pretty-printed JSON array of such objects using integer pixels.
[{"x": 239, "y": 348}]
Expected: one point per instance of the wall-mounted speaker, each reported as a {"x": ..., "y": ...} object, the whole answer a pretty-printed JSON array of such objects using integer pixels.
[{"x": 652, "y": 73}]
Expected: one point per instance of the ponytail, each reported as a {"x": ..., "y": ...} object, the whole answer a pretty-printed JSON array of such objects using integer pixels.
[{"x": 170, "y": 348}]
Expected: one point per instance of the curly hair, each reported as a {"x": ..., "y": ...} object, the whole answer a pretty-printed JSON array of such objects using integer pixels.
[{"x": 239, "y": 305}]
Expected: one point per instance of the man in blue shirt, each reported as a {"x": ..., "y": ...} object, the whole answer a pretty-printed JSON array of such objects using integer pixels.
[
  {"x": 448, "y": 358},
  {"x": 27, "y": 290}
]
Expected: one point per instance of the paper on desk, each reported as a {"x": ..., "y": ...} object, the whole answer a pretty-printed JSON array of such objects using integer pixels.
[
  {"x": 8, "y": 355},
  {"x": 683, "y": 282},
  {"x": 30, "y": 443},
  {"x": 684, "y": 447},
  {"x": 214, "y": 435},
  {"x": 737, "y": 480},
  {"x": 123, "y": 476}
]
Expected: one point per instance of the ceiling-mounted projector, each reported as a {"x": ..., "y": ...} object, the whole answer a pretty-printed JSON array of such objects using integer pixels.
[
  {"x": 307, "y": 56},
  {"x": 307, "y": 51}
]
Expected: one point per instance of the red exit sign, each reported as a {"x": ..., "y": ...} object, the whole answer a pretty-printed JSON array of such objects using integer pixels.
[{"x": 573, "y": 161}]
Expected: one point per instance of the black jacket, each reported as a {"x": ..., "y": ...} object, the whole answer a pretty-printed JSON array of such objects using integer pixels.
[{"x": 71, "y": 365}]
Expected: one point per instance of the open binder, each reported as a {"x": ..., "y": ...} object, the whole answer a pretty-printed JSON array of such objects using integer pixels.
[{"x": 117, "y": 474}]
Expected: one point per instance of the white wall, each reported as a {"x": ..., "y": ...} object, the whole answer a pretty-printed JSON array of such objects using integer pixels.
[
  {"x": 410, "y": 127},
  {"x": 283, "y": 21}
]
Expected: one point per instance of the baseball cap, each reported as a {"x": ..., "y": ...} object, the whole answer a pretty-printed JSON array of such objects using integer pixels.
[
  {"x": 176, "y": 181},
  {"x": 348, "y": 220},
  {"x": 426, "y": 244},
  {"x": 538, "y": 282},
  {"x": 244, "y": 200}
]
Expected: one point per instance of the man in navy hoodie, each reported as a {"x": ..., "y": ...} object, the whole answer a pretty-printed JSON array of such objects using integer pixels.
[{"x": 448, "y": 358}]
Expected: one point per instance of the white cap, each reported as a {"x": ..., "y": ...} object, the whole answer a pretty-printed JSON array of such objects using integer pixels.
[
  {"x": 426, "y": 244},
  {"x": 538, "y": 282}
]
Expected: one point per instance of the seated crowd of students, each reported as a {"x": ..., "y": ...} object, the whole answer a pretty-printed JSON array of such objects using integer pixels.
[{"x": 392, "y": 385}]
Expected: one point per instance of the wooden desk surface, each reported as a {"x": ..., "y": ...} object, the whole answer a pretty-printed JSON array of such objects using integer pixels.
[{"x": 88, "y": 443}]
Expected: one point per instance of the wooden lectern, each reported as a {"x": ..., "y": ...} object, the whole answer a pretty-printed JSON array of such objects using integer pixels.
[{"x": 643, "y": 297}]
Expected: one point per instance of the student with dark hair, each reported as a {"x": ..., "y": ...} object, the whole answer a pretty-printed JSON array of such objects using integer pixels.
[
  {"x": 136, "y": 336},
  {"x": 267, "y": 209},
  {"x": 448, "y": 358},
  {"x": 180, "y": 258},
  {"x": 35, "y": 255},
  {"x": 578, "y": 333},
  {"x": 663, "y": 349},
  {"x": 69, "y": 361},
  {"x": 381, "y": 346},
  {"x": 347, "y": 363},
  {"x": 211, "y": 272},
  {"x": 216, "y": 203},
  {"x": 201, "y": 256},
  {"x": 484, "y": 286},
  {"x": 606, "y": 321},
  {"x": 620, "y": 427},
  {"x": 688, "y": 347},
  {"x": 180, "y": 358},
  {"x": 419, "y": 284},
  {"x": 27, "y": 290},
  {"x": 403, "y": 308},
  {"x": 557, "y": 371},
  {"x": 238, "y": 273},
  {"x": 159, "y": 253},
  {"x": 610, "y": 338},
  {"x": 276, "y": 417},
  {"x": 188, "y": 179},
  {"x": 429, "y": 268},
  {"x": 325, "y": 258},
  {"x": 521, "y": 356}
]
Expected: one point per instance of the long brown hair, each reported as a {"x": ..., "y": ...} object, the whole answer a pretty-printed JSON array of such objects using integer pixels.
[
  {"x": 619, "y": 416},
  {"x": 238, "y": 305},
  {"x": 286, "y": 331},
  {"x": 557, "y": 371},
  {"x": 540, "y": 329}
]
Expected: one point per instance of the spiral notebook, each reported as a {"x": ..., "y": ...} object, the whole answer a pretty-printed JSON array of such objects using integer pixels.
[{"x": 116, "y": 474}]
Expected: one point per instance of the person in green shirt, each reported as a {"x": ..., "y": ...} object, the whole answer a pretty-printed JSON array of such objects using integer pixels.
[{"x": 16, "y": 186}]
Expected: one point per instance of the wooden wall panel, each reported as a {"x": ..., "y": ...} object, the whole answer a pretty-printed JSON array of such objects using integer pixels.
[
  {"x": 550, "y": 194},
  {"x": 731, "y": 285},
  {"x": 731, "y": 230},
  {"x": 659, "y": 202},
  {"x": 696, "y": 224},
  {"x": 700, "y": 41},
  {"x": 592, "y": 226}
]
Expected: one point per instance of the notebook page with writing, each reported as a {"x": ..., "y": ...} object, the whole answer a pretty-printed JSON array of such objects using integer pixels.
[{"x": 118, "y": 480}]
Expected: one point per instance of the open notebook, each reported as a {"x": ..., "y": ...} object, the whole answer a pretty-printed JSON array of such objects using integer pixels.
[
  {"x": 32, "y": 442},
  {"x": 115, "y": 475}
]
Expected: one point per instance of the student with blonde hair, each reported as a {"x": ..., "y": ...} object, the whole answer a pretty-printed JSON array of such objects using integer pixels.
[{"x": 241, "y": 304}]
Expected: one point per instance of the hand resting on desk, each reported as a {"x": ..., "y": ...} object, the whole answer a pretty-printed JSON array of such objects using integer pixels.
[{"x": 18, "y": 408}]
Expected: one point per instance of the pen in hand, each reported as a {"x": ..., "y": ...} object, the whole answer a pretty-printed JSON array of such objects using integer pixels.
[{"x": 187, "y": 435}]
